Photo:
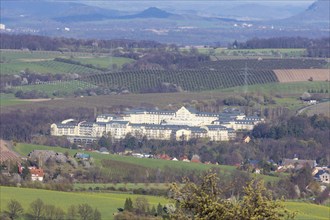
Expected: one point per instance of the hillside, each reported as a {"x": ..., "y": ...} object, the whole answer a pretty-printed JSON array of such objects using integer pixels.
[{"x": 317, "y": 13}]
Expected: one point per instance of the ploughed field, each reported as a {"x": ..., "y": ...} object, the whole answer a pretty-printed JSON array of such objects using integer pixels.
[{"x": 300, "y": 75}]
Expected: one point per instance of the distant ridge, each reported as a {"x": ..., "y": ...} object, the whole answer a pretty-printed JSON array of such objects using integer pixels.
[
  {"x": 319, "y": 11},
  {"x": 151, "y": 12}
]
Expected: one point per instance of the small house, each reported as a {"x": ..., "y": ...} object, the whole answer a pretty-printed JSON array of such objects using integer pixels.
[
  {"x": 36, "y": 174},
  {"x": 323, "y": 176}
]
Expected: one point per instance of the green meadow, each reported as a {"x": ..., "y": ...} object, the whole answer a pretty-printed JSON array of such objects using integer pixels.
[
  {"x": 309, "y": 211},
  {"x": 106, "y": 203},
  {"x": 65, "y": 87},
  {"x": 9, "y": 100},
  {"x": 15, "y": 61},
  {"x": 104, "y": 61},
  {"x": 280, "y": 88}
]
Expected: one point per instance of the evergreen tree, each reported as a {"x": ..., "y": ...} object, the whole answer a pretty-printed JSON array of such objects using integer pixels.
[
  {"x": 159, "y": 209},
  {"x": 128, "y": 206},
  {"x": 153, "y": 211}
]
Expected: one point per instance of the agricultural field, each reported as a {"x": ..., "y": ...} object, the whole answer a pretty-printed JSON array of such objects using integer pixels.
[
  {"x": 61, "y": 87},
  {"x": 118, "y": 186},
  {"x": 264, "y": 64},
  {"x": 106, "y": 203},
  {"x": 188, "y": 80},
  {"x": 301, "y": 75},
  {"x": 15, "y": 61},
  {"x": 9, "y": 100},
  {"x": 104, "y": 61},
  {"x": 290, "y": 88}
]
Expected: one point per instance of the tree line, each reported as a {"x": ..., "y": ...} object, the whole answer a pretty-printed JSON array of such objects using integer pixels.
[
  {"x": 35, "y": 42},
  {"x": 315, "y": 47},
  {"x": 39, "y": 210}
]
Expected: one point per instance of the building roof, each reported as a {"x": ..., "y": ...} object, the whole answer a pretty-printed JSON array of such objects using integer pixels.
[
  {"x": 216, "y": 127},
  {"x": 37, "y": 172},
  {"x": 298, "y": 163}
]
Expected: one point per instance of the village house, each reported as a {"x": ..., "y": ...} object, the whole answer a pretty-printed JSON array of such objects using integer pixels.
[
  {"x": 323, "y": 176},
  {"x": 183, "y": 124},
  {"x": 295, "y": 164},
  {"x": 36, "y": 174}
]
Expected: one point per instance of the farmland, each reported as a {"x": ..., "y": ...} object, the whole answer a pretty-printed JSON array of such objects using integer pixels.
[
  {"x": 264, "y": 64},
  {"x": 189, "y": 80},
  {"x": 64, "y": 87},
  {"x": 289, "y": 92},
  {"x": 106, "y": 203},
  {"x": 289, "y": 88},
  {"x": 15, "y": 61},
  {"x": 9, "y": 100},
  {"x": 300, "y": 75}
]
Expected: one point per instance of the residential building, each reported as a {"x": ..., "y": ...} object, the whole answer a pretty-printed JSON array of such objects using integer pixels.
[{"x": 36, "y": 174}]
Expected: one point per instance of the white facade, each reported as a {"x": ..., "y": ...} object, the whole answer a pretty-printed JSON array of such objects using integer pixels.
[{"x": 182, "y": 124}]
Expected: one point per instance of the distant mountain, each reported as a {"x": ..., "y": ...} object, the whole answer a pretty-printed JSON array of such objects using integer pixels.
[
  {"x": 151, "y": 12},
  {"x": 58, "y": 10},
  {"x": 318, "y": 12}
]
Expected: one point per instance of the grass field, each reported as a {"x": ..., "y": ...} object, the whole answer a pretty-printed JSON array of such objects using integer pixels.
[
  {"x": 127, "y": 186},
  {"x": 106, "y": 203},
  {"x": 307, "y": 211},
  {"x": 104, "y": 62},
  {"x": 65, "y": 87},
  {"x": 15, "y": 61},
  {"x": 280, "y": 88},
  {"x": 9, "y": 100}
]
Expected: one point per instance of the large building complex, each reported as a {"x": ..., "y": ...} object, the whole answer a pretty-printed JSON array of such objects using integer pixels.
[{"x": 183, "y": 124}]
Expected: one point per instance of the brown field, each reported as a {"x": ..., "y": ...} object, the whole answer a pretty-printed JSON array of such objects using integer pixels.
[
  {"x": 6, "y": 153},
  {"x": 300, "y": 75}
]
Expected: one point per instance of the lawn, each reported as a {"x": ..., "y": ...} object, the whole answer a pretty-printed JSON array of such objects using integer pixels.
[{"x": 106, "y": 203}]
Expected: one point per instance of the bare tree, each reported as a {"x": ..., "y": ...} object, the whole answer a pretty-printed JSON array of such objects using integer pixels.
[
  {"x": 15, "y": 209},
  {"x": 37, "y": 208}
]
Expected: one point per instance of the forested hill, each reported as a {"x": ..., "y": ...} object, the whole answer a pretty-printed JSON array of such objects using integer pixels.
[{"x": 35, "y": 42}]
